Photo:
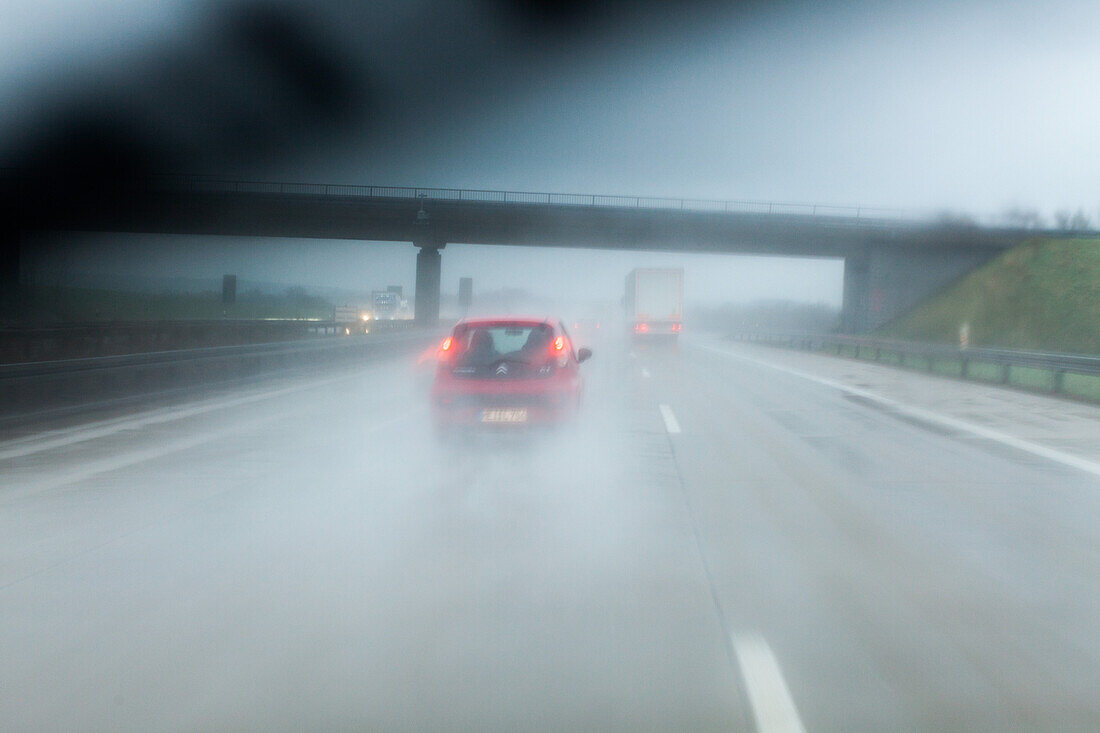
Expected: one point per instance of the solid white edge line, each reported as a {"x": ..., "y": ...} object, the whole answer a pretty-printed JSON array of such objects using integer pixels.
[
  {"x": 671, "y": 424},
  {"x": 21, "y": 491},
  {"x": 30, "y": 445},
  {"x": 1082, "y": 464},
  {"x": 773, "y": 708}
]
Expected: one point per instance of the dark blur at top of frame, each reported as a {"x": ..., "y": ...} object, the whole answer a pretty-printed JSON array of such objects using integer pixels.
[{"x": 262, "y": 88}]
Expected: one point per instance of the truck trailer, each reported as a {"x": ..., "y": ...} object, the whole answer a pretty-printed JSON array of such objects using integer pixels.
[{"x": 654, "y": 302}]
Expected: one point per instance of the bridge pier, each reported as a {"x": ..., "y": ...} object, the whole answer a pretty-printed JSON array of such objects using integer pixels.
[
  {"x": 428, "y": 271},
  {"x": 887, "y": 281},
  {"x": 855, "y": 311}
]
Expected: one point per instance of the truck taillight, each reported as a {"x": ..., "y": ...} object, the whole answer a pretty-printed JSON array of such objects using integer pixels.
[
  {"x": 677, "y": 326},
  {"x": 641, "y": 327}
]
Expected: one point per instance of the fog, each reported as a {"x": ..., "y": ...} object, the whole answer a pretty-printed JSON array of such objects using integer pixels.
[
  {"x": 350, "y": 583},
  {"x": 328, "y": 530}
]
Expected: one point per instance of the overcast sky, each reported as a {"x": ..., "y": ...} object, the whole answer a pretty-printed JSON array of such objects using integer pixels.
[{"x": 971, "y": 106}]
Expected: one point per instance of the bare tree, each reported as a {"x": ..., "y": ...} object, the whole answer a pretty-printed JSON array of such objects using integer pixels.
[
  {"x": 1079, "y": 222},
  {"x": 1022, "y": 218},
  {"x": 1069, "y": 221}
]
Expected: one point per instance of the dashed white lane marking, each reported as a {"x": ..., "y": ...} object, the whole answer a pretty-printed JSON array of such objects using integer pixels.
[
  {"x": 671, "y": 425},
  {"x": 645, "y": 372},
  {"x": 772, "y": 706},
  {"x": 1082, "y": 464}
]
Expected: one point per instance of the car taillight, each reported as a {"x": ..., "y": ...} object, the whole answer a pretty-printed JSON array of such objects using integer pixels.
[
  {"x": 677, "y": 326},
  {"x": 641, "y": 327},
  {"x": 447, "y": 349},
  {"x": 558, "y": 356}
]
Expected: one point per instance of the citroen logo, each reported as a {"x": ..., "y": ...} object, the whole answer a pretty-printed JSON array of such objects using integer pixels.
[{"x": 502, "y": 369}]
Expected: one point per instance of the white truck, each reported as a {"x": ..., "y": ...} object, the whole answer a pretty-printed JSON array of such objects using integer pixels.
[{"x": 654, "y": 302}]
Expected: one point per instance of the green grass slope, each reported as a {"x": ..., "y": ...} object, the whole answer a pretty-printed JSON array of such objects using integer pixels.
[{"x": 1042, "y": 295}]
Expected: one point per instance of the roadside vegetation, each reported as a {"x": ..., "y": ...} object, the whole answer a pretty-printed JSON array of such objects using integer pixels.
[
  {"x": 1044, "y": 295},
  {"x": 48, "y": 304}
]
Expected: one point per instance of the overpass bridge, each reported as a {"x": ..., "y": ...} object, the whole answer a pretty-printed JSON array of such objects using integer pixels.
[{"x": 891, "y": 261}]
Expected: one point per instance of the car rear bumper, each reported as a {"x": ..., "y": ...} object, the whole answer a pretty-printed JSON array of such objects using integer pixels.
[{"x": 503, "y": 410}]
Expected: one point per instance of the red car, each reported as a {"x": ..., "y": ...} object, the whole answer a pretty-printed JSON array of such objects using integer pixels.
[{"x": 507, "y": 372}]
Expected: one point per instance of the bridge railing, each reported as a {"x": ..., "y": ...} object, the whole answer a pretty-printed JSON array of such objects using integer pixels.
[
  {"x": 216, "y": 185},
  {"x": 1017, "y": 367}
]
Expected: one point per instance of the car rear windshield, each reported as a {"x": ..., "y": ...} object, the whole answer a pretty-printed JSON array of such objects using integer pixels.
[{"x": 481, "y": 345}]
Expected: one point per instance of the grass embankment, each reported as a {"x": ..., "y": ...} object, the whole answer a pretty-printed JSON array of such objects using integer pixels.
[
  {"x": 63, "y": 304},
  {"x": 1044, "y": 296}
]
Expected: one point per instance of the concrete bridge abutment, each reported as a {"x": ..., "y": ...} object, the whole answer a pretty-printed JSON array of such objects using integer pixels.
[{"x": 884, "y": 283}]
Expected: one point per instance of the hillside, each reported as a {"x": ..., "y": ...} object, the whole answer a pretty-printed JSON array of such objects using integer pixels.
[{"x": 1042, "y": 295}]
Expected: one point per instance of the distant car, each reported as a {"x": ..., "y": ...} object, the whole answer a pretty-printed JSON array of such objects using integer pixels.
[{"x": 507, "y": 372}]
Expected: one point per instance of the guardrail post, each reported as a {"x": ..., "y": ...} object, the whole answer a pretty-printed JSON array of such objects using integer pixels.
[
  {"x": 1057, "y": 381},
  {"x": 964, "y": 368},
  {"x": 1005, "y": 373}
]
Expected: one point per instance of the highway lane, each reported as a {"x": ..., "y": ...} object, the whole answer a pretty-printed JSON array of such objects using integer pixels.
[
  {"x": 911, "y": 577},
  {"x": 312, "y": 558}
]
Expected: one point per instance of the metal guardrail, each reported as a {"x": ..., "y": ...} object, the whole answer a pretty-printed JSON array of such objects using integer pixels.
[
  {"x": 91, "y": 339},
  {"x": 181, "y": 356},
  {"x": 32, "y": 389},
  {"x": 867, "y": 346},
  {"x": 216, "y": 185}
]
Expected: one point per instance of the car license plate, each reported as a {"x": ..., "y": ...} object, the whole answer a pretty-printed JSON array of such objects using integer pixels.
[{"x": 515, "y": 415}]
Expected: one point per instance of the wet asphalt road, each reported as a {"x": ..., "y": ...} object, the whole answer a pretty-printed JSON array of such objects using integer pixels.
[{"x": 713, "y": 545}]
